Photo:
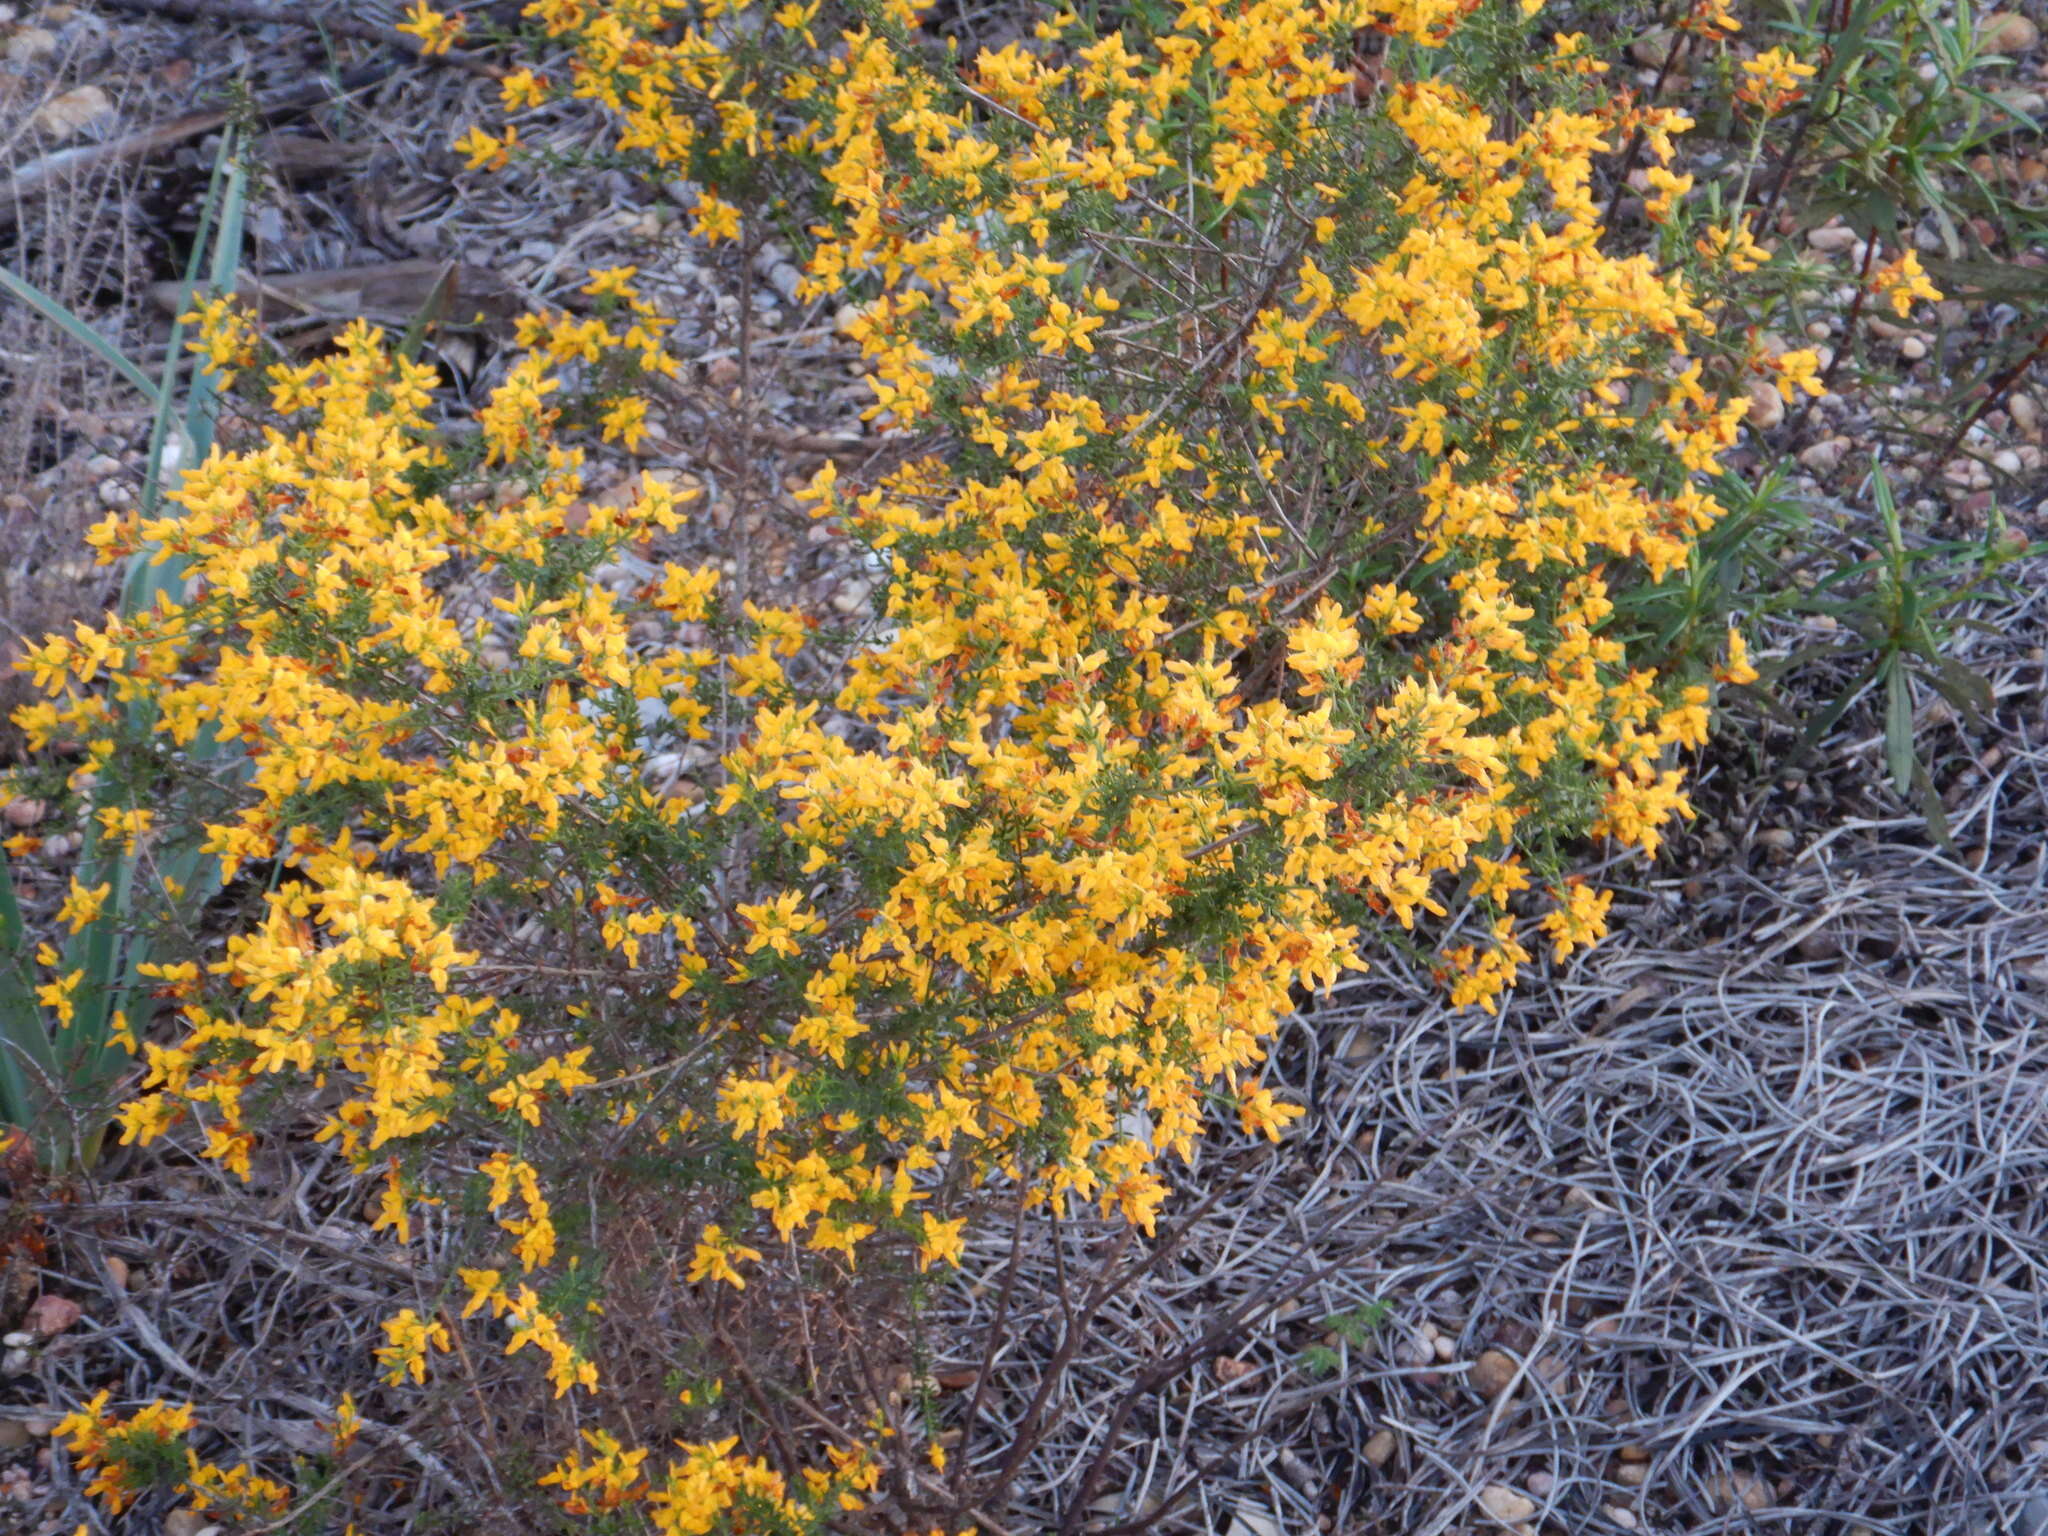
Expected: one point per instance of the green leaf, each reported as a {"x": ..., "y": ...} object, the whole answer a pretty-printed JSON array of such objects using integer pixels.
[
  {"x": 223, "y": 191},
  {"x": 200, "y": 409},
  {"x": 1898, "y": 727},
  {"x": 1931, "y": 809},
  {"x": 1963, "y": 687},
  {"x": 431, "y": 312},
  {"x": 1991, "y": 279}
]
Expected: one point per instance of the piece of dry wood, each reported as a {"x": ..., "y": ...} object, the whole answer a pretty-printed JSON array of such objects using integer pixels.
[
  {"x": 386, "y": 292},
  {"x": 302, "y": 157},
  {"x": 49, "y": 170},
  {"x": 262, "y": 13}
]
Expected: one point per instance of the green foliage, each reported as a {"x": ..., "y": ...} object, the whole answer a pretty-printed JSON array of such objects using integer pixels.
[{"x": 1352, "y": 1329}]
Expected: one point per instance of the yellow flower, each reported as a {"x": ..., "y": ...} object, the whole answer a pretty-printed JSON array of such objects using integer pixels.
[
  {"x": 522, "y": 88},
  {"x": 943, "y": 1242},
  {"x": 715, "y": 220},
  {"x": 1899, "y": 282},
  {"x": 778, "y": 925},
  {"x": 1579, "y": 920},
  {"x": 348, "y": 1423},
  {"x": 487, "y": 151},
  {"x": 756, "y": 1106},
  {"x": 436, "y": 30},
  {"x": 1735, "y": 246},
  {"x": 1499, "y": 880},
  {"x": 1737, "y": 668},
  {"x": 83, "y": 905},
  {"x": 125, "y": 827},
  {"x": 1773, "y": 80},
  {"x": 411, "y": 1339},
  {"x": 716, "y": 1257},
  {"x": 1261, "y": 1114},
  {"x": 1666, "y": 189},
  {"x": 484, "y": 1290}
]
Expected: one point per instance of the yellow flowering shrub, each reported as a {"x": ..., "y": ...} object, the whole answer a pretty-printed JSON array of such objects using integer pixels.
[{"x": 1277, "y": 448}]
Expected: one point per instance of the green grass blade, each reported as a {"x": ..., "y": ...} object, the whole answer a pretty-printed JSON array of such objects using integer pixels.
[
  {"x": 27, "y": 1064},
  {"x": 105, "y": 951},
  {"x": 201, "y": 409},
  {"x": 159, "y": 430},
  {"x": 83, "y": 1063},
  {"x": 80, "y": 332}
]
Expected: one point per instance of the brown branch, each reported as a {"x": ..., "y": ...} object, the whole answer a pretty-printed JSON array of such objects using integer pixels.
[
  {"x": 38, "y": 175},
  {"x": 1993, "y": 393},
  {"x": 264, "y": 14}
]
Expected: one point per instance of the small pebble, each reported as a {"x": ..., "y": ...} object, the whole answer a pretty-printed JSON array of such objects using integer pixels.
[
  {"x": 2008, "y": 32},
  {"x": 1913, "y": 349},
  {"x": 1379, "y": 1450},
  {"x": 1744, "y": 1489},
  {"x": 1492, "y": 1372},
  {"x": 1766, "y": 408},
  {"x": 1825, "y": 457},
  {"x": 1653, "y": 50},
  {"x": 30, "y": 44},
  {"x": 1504, "y": 1504}
]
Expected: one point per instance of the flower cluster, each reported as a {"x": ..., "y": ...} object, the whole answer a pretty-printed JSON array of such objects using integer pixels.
[
  {"x": 1261, "y": 610},
  {"x": 127, "y": 1457}
]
